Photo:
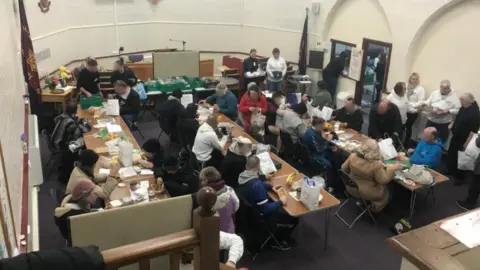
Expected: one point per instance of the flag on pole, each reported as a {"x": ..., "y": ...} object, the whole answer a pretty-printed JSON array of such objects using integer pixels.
[
  {"x": 29, "y": 63},
  {"x": 302, "y": 59}
]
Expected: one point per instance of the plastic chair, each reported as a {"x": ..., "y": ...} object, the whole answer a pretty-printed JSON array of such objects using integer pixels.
[
  {"x": 364, "y": 205},
  {"x": 53, "y": 151}
]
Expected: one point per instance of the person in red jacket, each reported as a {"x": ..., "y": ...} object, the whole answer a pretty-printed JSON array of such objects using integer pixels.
[{"x": 253, "y": 101}]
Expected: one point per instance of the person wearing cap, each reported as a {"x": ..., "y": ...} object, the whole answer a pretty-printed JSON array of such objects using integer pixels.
[
  {"x": 442, "y": 106},
  {"x": 123, "y": 73},
  {"x": 172, "y": 110},
  {"x": 227, "y": 201},
  {"x": 84, "y": 171},
  {"x": 250, "y": 65},
  {"x": 235, "y": 160},
  {"x": 322, "y": 97},
  {"x": 350, "y": 114},
  {"x": 223, "y": 101},
  {"x": 80, "y": 201},
  {"x": 152, "y": 153},
  {"x": 129, "y": 102},
  {"x": 88, "y": 80},
  {"x": 276, "y": 70},
  {"x": 252, "y": 102},
  {"x": 292, "y": 120},
  {"x": 178, "y": 180}
]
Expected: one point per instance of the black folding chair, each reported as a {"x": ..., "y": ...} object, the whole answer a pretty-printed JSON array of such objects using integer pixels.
[
  {"x": 53, "y": 151},
  {"x": 360, "y": 202},
  {"x": 312, "y": 168},
  {"x": 289, "y": 149}
]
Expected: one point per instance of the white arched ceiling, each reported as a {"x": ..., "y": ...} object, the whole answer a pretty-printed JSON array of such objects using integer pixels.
[{"x": 447, "y": 47}]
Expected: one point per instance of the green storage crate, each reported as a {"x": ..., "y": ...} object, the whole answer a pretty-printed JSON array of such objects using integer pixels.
[{"x": 95, "y": 101}]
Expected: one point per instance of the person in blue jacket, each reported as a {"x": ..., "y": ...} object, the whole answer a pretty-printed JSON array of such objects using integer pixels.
[
  {"x": 224, "y": 101},
  {"x": 429, "y": 150}
]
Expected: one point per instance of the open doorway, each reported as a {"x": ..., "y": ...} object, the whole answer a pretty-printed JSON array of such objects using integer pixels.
[{"x": 374, "y": 74}]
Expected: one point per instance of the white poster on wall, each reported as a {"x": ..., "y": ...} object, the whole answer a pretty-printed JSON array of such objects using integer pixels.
[{"x": 355, "y": 68}]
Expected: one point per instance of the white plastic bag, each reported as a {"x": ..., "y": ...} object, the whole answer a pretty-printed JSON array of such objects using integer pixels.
[
  {"x": 327, "y": 113},
  {"x": 310, "y": 195},
  {"x": 419, "y": 174},
  {"x": 257, "y": 123},
  {"x": 466, "y": 162},
  {"x": 125, "y": 153},
  {"x": 266, "y": 163},
  {"x": 387, "y": 149},
  {"x": 113, "y": 107},
  {"x": 472, "y": 149}
]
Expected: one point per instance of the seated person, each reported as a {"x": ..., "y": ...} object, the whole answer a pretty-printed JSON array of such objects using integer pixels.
[
  {"x": 187, "y": 126},
  {"x": 367, "y": 169},
  {"x": 226, "y": 102},
  {"x": 227, "y": 201},
  {"x": 291, "y": 120},
  {"x": 79, "y": 202},
  {"x": 207, "y": 147},
  {"x": 322, "y": 97},
  {"x": 123, "y": 73},
  {"x": 172, "y": 109},
  {"x": 253, "y": 101},
  {"x": 88, "y": 80},
  {"x": 253, "y": 189},
  {"x": 84, "y": 171},
  {"x": 429, "y": 150},
  {"x": 129, "y": 102},
  {"x": 178, "y": 180},
  {"x": 272, "y": 107},
  {"x": 384, "y": 120},
  {"x": 235, "y": 160},
  {"x": 350, "y": 115},
  {"x": 234, "y": 244},
  {"x": 152, "y": 153}
]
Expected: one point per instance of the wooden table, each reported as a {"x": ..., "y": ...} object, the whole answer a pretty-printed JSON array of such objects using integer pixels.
[
  {"x": 439, "y": 178},
  {"x": 63, "y": 98},
  {"x": 293, "y": 207},
  {"x": 431, "y": 247}
]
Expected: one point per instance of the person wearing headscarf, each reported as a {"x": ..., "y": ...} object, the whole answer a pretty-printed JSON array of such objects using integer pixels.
[
  {"x": 235, "y": 160},
  {"x": 366, "y": 168},
  {"x": 178, "y": 180},
  {"x": 292, "y": 120},
  {"x": 84, "y": 171}
]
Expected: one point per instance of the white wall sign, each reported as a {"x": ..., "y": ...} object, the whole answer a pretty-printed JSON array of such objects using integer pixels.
[{"x": 355, "y": 68}]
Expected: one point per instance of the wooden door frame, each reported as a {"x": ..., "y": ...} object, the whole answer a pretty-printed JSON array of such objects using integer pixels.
[{"x": 359, "y": 85}]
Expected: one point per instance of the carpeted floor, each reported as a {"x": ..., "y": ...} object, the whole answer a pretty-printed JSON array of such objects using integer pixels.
[{"x": 362, "y": 247}]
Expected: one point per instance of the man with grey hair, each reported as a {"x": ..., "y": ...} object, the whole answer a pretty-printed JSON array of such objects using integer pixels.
[
  {"x": 129, "y": 102},
  {"x": 467, "y": 121},
  {"x": 223, "y": 101},
  {"x": 442, "y": 106}
]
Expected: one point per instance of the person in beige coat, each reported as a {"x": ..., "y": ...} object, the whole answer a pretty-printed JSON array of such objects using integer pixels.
[
  {"x": 367, "y": 170},
  {"x": 84, "y": 170}
]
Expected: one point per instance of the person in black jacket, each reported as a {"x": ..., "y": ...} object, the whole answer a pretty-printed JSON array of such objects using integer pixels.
[
  {"x": 171, "y": 110},
  {"x": 129, "y": 102},
  {"x": 385, "y": 119},
  {"x": 467, "y": 120},
  {"x": 153, "y": 154},
  {"x": 235, "y": 160},
  {"x": 250, "y": 64},
  {"x": 350, "y": 115},
  {"x": 380, "y": 69},
  {"x": 88, "y": 81},
  {"x": 187, "y": 126},
  {"x": 123, "y": 73},
  {"x": 332, "y": 71},
  {"x": 178, "y": 180}
]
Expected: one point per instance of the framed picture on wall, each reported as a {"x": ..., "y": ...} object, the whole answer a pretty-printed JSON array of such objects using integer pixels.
[{"x": 338, "y": 47}]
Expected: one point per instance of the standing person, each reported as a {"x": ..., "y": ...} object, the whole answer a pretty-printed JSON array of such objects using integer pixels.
[
  {"x": 207, "y": 147},
  {"x": 474, "y": 190},
  {"x": 350, "y": 115},
  {"x": 443, "y": 104},
  {"x": 333, "y": 70},
  {"x": 88, "y": 81},
  {"x": 172, "y": 110},
  {"x": 415, "y": 95},
  {"x": 129, "y": 102},
  {"x": 380, "y": 70},
  {"x": 187, "y": 126},
  {"x": 384, "y": 119},
  {"x": 467, "y": 121},
  {"x": 250, "y": 65},
  {"x": 235, "y": 160},
  {"x": 399, "y": 98},
  {"x": 123, "y": 73},
  {"x": 276, "y": 70},
  {"x": 322, "y": 97},
  {"x": 253, "y": 101},
  {"x": 224, "y": 101}
]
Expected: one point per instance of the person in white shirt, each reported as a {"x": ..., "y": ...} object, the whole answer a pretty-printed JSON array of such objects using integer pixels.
[
  {"x": 399, "y": 98},
  {"x": 207, "y": 147},
  {"x": 415, "y": 95},
  {"x": 442, "y": 105},
  {"x": 234, "y": 244},
  {"x": 276, "y": 70}
]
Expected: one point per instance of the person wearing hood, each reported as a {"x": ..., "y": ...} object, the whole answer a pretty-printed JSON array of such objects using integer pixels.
[
  {"x": 429, "y": 150},
  {"x": 350, "y": 114},
  {"x": 442, "y": 106},
  {"x": 81, "y": 200},
  {"x": 84, "y": 171},
  {"x": 291, "y": 120},
  {"x": 466, "y": 122},
  {"x": 227, "y": 201},
  {"x": 415, "y": 96},
  {"x": 399, "y": 98},
  {"x": 253, "y": 101},
  {"x": 172, "y": 110},
  {"x": 223, "y": 101},
  {"x": 366, "y": 168},
  {"x": 235, "y": 160},
  {"x": 322, "y": 97},
  {"x": 207, "y": 147},
  {"x": 187, "y": 127},
  {"x": 474, "y": 189},
  {"x": 333, "y": 70},
  {"x": 385, "y": 120},
  {"x": 178, "y": 180},
  {"x": 152, "y": 153}
]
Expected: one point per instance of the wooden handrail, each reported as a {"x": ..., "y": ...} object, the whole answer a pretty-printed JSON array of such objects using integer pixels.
[{"x": 129, "y": 254}]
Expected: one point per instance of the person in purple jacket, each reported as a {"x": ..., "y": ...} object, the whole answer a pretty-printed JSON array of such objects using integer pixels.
[{"x": 429, "y": 150}]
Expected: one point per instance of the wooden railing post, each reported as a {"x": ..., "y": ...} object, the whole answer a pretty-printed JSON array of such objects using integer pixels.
[{"x": 206, "y": 223}]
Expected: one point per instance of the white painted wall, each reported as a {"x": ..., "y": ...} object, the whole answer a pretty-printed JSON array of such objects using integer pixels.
[{"x": 427, "y": 35}]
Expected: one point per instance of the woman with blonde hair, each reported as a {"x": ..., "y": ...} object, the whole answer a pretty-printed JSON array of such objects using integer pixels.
[
  {"x": 415, "y": 95},
  {"x": 366, "y": 168}
]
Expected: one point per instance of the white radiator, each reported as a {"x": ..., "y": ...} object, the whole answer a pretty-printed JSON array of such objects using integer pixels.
[{"x": 35, "y": 174}]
